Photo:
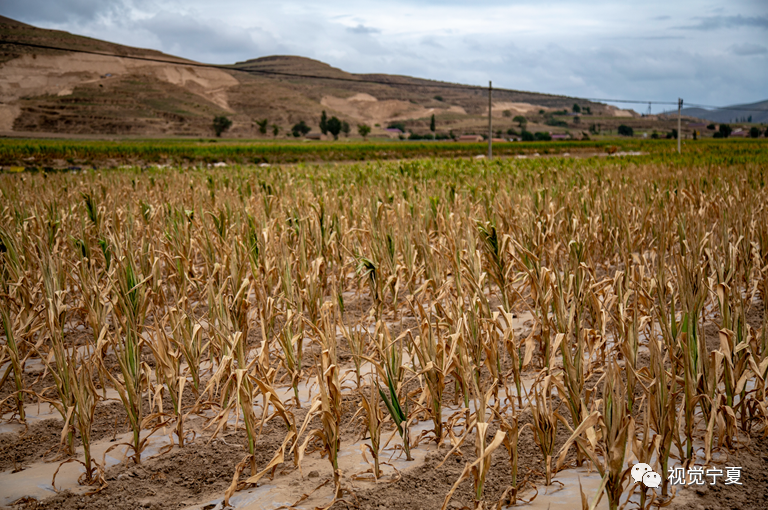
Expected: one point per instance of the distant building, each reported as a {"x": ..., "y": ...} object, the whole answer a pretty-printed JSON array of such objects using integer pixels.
[
  {"x": 394, "y": 131},
  {"x": 470, "y": 138},
  {"x": 740, "y": 133},
  {"x": 316, "y": 136},
  {"x": 560, "y": 136}
]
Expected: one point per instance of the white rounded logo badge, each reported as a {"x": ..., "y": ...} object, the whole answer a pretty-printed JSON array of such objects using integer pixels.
[
  {"x": 638, "y": 470},
  {"x": 652, "y": 479},
  {"x": 643, "y": 473}
]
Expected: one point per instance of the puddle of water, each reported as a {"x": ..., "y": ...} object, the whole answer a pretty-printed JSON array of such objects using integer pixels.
[
  {"x": 285, "y": 490},
  {"x": 36, "y": 413},
  {"x": 35, "y": 480},
  {"x": 567, "y": 497}
]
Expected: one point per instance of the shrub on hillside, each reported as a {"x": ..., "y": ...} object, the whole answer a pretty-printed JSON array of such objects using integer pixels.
[
  {"x": 221, "y": 124},
  {"x": 300, "y": 129}
]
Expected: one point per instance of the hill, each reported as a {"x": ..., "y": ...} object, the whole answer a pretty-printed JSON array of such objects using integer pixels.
[
  {"x": 72, "y": 92},
  {"x": 736, "y": 113}
]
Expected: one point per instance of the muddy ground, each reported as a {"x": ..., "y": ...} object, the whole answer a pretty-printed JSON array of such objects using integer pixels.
[{"x": 203, "y": 469}]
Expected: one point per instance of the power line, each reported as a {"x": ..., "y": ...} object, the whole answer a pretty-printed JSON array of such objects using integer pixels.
[
  {"x": 630, "y": 101},
  {"x": 353, "y": 80},
  {"x": 245, "y": 70}
]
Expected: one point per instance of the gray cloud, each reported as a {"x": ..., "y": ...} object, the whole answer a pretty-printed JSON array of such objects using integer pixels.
[
  {"x": 654, "y": 37},
  {"x": 362, "y": 29},
  {"x": 719, "y": 22},
  {"x": 748, "y": 49},
  {"x": 63, "y": 11},
  {"x": 431, "y": 42},
  {"x": 183, "y": 35}
]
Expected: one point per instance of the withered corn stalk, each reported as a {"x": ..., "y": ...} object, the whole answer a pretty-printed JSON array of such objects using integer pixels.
[
  {"x": 327, "y": 404},
  {"x": 373, "y": 417}
]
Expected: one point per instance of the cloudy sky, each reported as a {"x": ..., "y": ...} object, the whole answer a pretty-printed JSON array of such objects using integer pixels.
[{"x": 707, "y": 52}]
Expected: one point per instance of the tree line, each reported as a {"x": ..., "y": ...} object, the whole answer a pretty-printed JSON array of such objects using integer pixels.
[{"x": 333, "y": 126}]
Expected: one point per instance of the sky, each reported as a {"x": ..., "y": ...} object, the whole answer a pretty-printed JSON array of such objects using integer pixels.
[{"x": 706, "y": 52}]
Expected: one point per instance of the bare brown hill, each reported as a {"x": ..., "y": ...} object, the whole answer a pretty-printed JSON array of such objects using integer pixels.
[{"x": 70, "y": 92}]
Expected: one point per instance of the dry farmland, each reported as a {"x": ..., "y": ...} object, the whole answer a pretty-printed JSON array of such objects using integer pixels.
[{"x": 423, "y": 334}]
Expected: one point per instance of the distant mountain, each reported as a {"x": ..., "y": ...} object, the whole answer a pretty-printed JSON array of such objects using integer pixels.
[{"x": 735, "y": 113}]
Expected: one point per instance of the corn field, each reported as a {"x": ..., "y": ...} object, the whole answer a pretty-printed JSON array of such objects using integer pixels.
[{"x": 455, "y": 307}]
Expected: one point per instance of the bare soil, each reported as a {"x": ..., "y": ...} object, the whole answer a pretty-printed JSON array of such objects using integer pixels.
[
  {"x": 751, "y": 495},
  {"x": 173, "y": 480}
]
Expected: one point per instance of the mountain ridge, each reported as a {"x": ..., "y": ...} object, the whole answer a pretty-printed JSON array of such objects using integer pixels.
[{"x": 758, "y": 111}]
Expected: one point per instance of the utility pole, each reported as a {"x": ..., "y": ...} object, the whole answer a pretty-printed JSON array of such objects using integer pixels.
[
  {"x": 490, "y": 122},
  {"x": 679, "y": 108}
]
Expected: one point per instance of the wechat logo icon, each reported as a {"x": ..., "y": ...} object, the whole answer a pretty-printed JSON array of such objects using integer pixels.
[{"x": 642, "y": 472}]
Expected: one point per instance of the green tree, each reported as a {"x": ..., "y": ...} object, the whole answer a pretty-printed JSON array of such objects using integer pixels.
[
  {"x": 275, "y": 130},
  {"x": 626, "y": 130},
  {"x": 576, "y": 108},
  {"x": 725, "y": 130},
  {"x": 432, "y": 123},
  {"x": 324, "y": 123},
  {"x": 397, "y": 125},
  {"x": 542, "y": 136},
  {"x": 263, "y": 123},
  {"x": 527, "y": 136},
  {"x": 333, "y": 126},
  {"x": 521, "y": 121},
  {"x": 345, "y": 128},
  {"x": 364, "y": 130},
  {"x": 300, "y": 129},
  {"x": 221, "y": 124},
  {"x": 754, "y": 132}
]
